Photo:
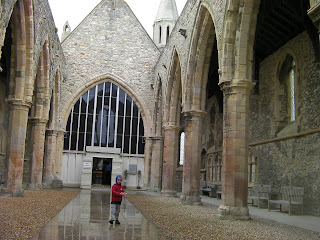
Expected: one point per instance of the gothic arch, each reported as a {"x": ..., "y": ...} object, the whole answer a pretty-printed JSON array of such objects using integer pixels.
[
  {"x": 22, "y": 56},
  {"x": 171, "y": 125},
  {"x": 202, "y": 44},
  {"x": 120, "y": 83},
  {"x": 38, "y": 118},
  {"x": 174, "y": 92},
  {"x": 228, "y": 44},
  {"x": 40, "y": 108},
  {"x": 20, "y": 92}
]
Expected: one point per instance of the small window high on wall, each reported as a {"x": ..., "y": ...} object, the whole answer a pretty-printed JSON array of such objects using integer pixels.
[{"x": 105, "y": 116}]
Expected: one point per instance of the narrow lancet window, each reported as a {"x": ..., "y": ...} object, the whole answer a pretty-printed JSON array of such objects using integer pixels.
[
  {"x": 292, "y": 93},
  {"x": 182, "y": 137}
]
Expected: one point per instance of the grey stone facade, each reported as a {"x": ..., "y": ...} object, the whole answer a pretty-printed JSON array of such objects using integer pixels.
[
  {"x": 106, "y": 44},
  {"x": 110, "y": 44}
]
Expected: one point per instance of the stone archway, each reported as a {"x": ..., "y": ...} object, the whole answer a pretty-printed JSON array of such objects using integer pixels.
[
  {"x": 51, "y": 163},
  {"x": 39, "y": 117},
  {"x": 236, "y": 74},
  {"x": 20, "y": 93},
  {"x": 171, "y": 127},
  {"x": 153, "y": 165},
  {"x": 202, "y": 75}
]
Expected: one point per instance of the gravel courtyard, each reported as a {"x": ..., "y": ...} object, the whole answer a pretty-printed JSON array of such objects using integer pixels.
[
  {"x": 176, "y": 221},
  {"x": 22, "y": 218}
]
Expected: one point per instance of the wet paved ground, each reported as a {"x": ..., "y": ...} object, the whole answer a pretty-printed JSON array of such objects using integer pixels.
[{"x": 87, "y": 217}]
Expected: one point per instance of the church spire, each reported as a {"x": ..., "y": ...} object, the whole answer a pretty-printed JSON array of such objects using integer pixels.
[
  {"x": 164, "y": 23},
  {"x": 167, "y": 10}
]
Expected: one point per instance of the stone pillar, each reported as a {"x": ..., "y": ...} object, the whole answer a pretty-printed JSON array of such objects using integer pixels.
[
  {"x": 37, "y": 151},
  {"x": 18, "y": 119},
  {"x": 49, "y": 157},
  {"x": 235, "y": 151},
  {"x": 192, "y": 158},
  {"x": 59, "y": 152},
  {"x": 156, "y": 163},
  {"x": 170, "y": 154},
  {"x": 147, "y": 162}
]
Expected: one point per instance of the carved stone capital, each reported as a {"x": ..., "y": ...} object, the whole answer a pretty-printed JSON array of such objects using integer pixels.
[
  {"x": 237, "y": 85},
  {"x": 194, "y": 113}
]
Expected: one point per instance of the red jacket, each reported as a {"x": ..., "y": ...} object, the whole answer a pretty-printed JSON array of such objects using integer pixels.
[{"x": 116, "y": 190}]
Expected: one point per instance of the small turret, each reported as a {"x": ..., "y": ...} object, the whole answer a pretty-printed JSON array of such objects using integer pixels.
[
  {"x": 164, "y": 23},
  {"x": 66, "y": 31}
]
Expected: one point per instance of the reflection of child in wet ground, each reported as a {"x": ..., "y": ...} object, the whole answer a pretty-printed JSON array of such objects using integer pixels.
[{"x": 117, "y": 193}]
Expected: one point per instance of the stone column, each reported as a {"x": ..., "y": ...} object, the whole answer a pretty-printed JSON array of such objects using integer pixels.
[
  {"x": 156, "y": 163},
  {"x": 147, "y": 163},
  {"x": 192, "y": 158},
  {"x": 37, "y": 151},
  {"x": 18, "y": 119},
  {"x": 49, "y": 157},
  {"x": 235, "y": 151},
  {"x": 170, "y": 154},
  {"x": 59, "y": 152}
]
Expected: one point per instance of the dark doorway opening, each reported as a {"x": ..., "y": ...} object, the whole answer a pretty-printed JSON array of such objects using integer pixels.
[{"x": 101, "y": 171}]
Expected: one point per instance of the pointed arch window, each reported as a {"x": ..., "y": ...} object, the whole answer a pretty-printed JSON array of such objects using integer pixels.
[
  {"x": 168, "y": 33},
  {"x": 160, "y": 33},
  {"x": 105, "y": 116},
  {"x": 292, "y": 92}
]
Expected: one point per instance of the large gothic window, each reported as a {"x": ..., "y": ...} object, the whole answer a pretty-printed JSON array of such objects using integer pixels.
[{"x": 105, "y": 116}]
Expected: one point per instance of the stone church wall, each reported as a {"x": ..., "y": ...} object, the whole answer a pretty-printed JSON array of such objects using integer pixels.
[
  {"x": 292, "y": 161},
  {"x": 109, "y": 44}
]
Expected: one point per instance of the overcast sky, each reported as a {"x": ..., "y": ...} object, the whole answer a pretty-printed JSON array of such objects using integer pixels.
[{"x": 74, "y": 11}]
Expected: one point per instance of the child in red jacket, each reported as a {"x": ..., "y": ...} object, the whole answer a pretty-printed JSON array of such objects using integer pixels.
[{"x": 117, "y": 193}]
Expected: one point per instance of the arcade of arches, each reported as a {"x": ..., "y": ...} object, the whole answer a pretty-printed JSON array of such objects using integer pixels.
[{"x": 241, "y": 85}]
